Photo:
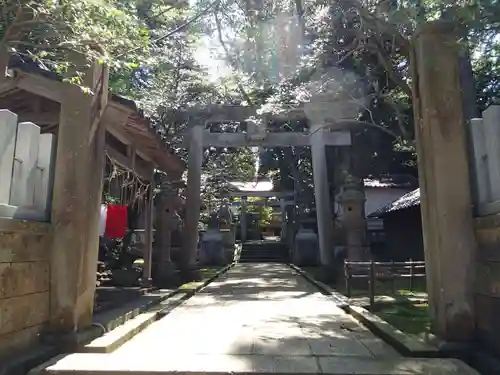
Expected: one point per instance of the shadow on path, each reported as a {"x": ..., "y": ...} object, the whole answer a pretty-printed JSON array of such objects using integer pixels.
[{"x": 259, "y": 318}]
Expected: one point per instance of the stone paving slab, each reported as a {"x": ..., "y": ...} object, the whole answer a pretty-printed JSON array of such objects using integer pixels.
[
  {"x": 257, "y": 318},
  {"x": 220, "y": 364}
]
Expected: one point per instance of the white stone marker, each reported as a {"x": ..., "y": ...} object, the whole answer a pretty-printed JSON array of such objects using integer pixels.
[
  {"x": 22, "y": 192},
  {"x": 43, "y": 172},
  {"x": 8, "y": 131}
]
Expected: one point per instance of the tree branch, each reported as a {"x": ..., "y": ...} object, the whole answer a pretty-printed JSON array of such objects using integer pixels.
[
  {"x": 193, "y": 19},
  {"x": 347, "y": 124},
  {"x": 233, "y": 66},
  {"x": 388, "y": 67},
  {"x": 381, "y": 26}
]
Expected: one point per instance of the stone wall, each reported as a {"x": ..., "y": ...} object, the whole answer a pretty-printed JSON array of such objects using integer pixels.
[
  {"x": 487, "y": 288},
  {"x": 24, "y": 283}
]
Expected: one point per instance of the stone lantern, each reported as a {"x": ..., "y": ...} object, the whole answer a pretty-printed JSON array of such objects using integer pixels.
[
  {"x": 352, "y": 199},
  {"x": 168, "y": 222}
]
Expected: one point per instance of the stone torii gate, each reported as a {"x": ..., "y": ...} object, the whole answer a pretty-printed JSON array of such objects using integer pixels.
[
  {"x": 281, "y": 196},
  {"x": 320, "y": 135}
]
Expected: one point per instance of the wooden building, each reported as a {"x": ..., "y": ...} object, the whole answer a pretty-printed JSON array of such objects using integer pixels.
[
  {"x": 49, "y": 267},
  {"x": 403, "y": 229}
]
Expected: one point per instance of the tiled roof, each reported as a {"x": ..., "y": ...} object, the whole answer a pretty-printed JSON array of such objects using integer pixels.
[
  {"x": 394, "y": 181},
  {"x": 137, "y": 126},
  {"x": 252, "y": 186},
  {"x": 408, "y": 200}
]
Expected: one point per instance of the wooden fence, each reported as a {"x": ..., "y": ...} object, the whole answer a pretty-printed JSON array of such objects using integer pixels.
[
  {"x": 26, "y": 169},
  {"x": 381, "y": 271}
]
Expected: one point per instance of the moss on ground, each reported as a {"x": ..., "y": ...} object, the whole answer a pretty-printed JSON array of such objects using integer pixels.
[
  {"x": 206, "y": 273},
  {"x": 359, "y": 287},
  {"x": 404, "y": 314},
  {"x": 411, "y": 318}
]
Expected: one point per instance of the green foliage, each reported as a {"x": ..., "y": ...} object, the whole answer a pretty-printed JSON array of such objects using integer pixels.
[
  {"x": 487, "y": 74},
  {"x": 52, "y": 31},
  {"x": 278, "y": 52},
  {"x": 224, "y": 165},
  {"x": 278, "y": 49},
  {"x": 262, "y": 212}
]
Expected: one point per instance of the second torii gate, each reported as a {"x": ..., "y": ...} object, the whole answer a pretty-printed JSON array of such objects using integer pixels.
[
  {"x": 262, "y": 194},
  {"x": 319, "y": 136}
]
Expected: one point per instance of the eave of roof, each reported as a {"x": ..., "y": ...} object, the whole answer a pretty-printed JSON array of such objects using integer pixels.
[
  {"x": 137, "y": 125},
  {"x": 252, "y": 186},
  {"x": 409, "y": 200},
  {"x": 391, "y": 181}
]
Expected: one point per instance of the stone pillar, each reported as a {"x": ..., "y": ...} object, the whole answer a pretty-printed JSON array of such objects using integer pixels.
[
  {"x": 321, "y": 192},
  {"x": 76, "y": 204},
  {"x": 283, "y": 219},
  {"x": 445, "y": 194},
  {"x": 193, "y": 201},
  {"x": 243, "y": 219},
  {"x": 165, "y": 238},
  {"x": 148, "y": 235}
]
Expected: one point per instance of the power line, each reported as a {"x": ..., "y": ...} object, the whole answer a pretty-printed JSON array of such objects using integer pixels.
[{"x": 177, "y": 29}]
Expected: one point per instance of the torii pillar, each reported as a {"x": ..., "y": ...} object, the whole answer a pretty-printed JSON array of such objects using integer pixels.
[
  {"x": 321, "y": 192},
  {"x": 148, "y": 235},
  {"x": 193, "y": 199},
  {"x": 76, "y": 203},
  {"x": 243, "y": 219},
  {"x": 448, "y": 228}
]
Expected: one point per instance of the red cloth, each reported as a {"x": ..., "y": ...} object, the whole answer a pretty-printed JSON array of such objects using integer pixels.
[{"x": 116, "y": 221}]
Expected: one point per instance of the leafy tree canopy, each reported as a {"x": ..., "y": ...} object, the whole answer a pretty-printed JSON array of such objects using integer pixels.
[{"x": 280, "y": 53}]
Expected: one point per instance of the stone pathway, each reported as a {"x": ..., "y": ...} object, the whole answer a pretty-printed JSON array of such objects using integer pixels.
[
  {"x": 259, "y": 309},
  {"x": 257, "y": 318}
]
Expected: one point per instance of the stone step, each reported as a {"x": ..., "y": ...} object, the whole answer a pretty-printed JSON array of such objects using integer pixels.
[
  {"x": 115, "y": 338},
  {"x": 260, "y": 252},
  {"x": 263, "y": 259},
  {"x": 264, "y": 250},
  {"x": 113, "y": 318},
  {"x": 260, "y": 260},
  {"x": 265, "y": 255},
  {"x": 277, "y": 245},
  {"x": 102, "y": 364}
]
